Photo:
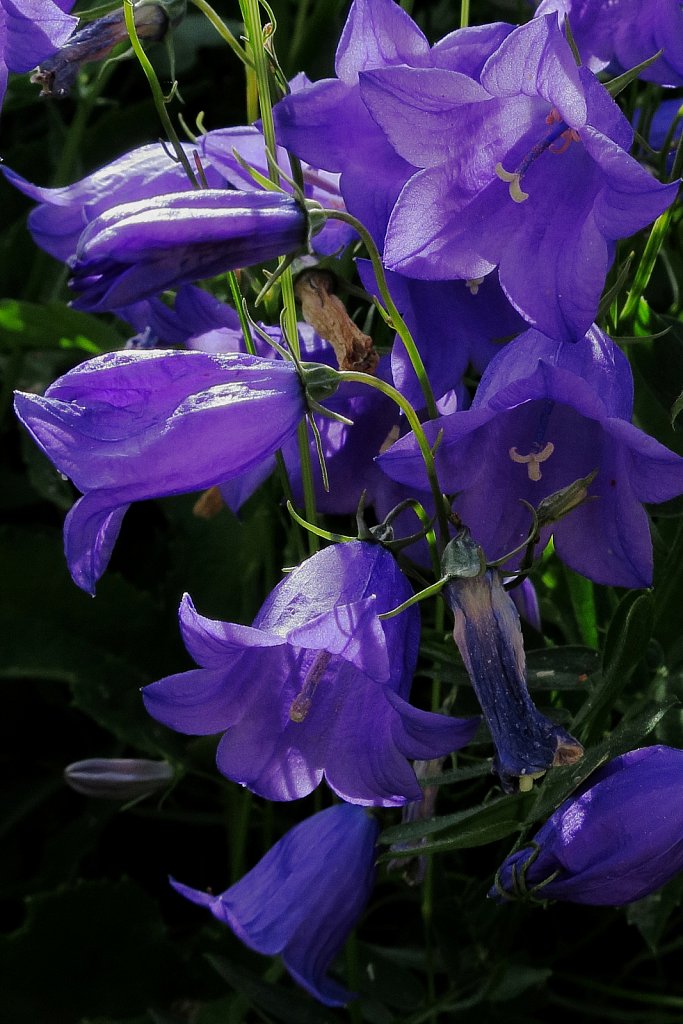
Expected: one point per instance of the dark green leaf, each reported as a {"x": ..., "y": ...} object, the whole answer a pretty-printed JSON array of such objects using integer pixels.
[
  {"x": 287, "y": 1005},
  {"x": 28, "y": 325}
]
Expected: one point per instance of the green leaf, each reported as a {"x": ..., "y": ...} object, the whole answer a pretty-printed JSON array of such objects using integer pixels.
[
  {"x": 583, "y": 602},
  {"x": 28, "y": 325},
  {"x": 287, "y": 1005},
  {"x": 561, "y": 668}
]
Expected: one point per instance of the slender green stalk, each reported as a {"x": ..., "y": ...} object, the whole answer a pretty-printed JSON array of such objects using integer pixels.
[
  {"x": 397, "y": 320},
  {"x": 157, "y": 92},
  {"x": 244, "y": 322},
  {"x": 224, "y": 32},
  {"x": 422, "y": 442},
  {"x": 464, "y": 13}
]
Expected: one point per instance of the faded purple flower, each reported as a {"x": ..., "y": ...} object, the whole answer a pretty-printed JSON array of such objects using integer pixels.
[
  {"x": 488, "y": 635},
  {"x": 134, "y": 425},
  {"x": 526, "y": 170},
  {"x": 31, "y": 30},
  {"x": 317, "y": 686},
  {"x": 545, "y": 415},
  {"x": 624, "y": 33},
  {"x": 137, "y": 250},
  {"x": 619, "y": 838},
  {"x": 303, "y": 898}
]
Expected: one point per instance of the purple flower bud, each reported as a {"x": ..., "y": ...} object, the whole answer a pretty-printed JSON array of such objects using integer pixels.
[
  {"x": 118, "y": 778},
  {"x": 134, "y": 251},
  {"x": 143, "y": 424},
  {"x": 617, "y": 839},
  {"x": 317, "y": 686},
  {"x": 489, "y": 638},
  {"x": 303, "y": 898}
]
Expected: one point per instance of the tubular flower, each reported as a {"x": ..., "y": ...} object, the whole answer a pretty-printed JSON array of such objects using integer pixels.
[
  {"x": 318, "y": 685},
  {"x": 526, "y": 169},
  {"x": 624, "y": 33},
  {"x": 488, "y": 635},
  {"x": 134, "y": 251},
  {"x": 619, "y": 838},
  {"x": 303, "y": 898},
  {"x": 144, "y": 424},
  {"x": 548, "y": 414}
]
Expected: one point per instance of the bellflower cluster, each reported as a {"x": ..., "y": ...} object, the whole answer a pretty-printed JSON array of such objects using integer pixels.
[
  {"x": 318, "y": 685},
  {"x": 545, "y": 415},
  {"x": 304, "y": 897},
  {"x": 616, "y": 840},
  {"x": 624, "y": 33},
  {"x": 136, "y": 425}
]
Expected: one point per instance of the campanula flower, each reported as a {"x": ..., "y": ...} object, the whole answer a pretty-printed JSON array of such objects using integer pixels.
[
  {"x": 526, "y": 169},
  {"x": 317, "y": 686},
  {"x": 545, "y": 415},
  {"x": 303, "y": 898},
  {"x": 488, "y": 635},
  {"x": 623, "y": 33},
  {"x": 137, "y": 250},
  {"x": 619, "y": 838},
  {"x": 133, "y": 425},
  {"x": 31, "y": 30}
]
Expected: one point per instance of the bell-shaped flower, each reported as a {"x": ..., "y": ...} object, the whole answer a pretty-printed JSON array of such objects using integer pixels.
[
  {"x": 619, "y": 838},
  {"x": 139, "y": 249},
  {"x": 317, "y": 686},
  {"x": 63, "y": 213},
  {"x": 134, "y": 425},
  {"x": 624, "y": 33},
  {"x": 303, "y": 898},
  {"x": 31, "y": 30},
  {"x": 545, "y": 415},
  {"x": 488, "y": 635},
  {"x": 526, "y": 169}
]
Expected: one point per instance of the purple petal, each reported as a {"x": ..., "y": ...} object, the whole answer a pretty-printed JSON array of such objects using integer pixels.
[{"x": 377, "y": 33}]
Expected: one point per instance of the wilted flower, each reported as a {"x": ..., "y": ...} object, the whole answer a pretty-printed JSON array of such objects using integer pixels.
[
  {"x": 488, "y": 635},
  {"x": 318, "y": 685},
  {"x": 547, "y": 414},
  {"x": 303, "y": 898},
  {"x": 617, "y": 839},
  {"x": 137, "y": 250},
  {"x": 31, "y": 31},
  {"x": 134, "y": 425},
  {"x": 624, "y": 33}
]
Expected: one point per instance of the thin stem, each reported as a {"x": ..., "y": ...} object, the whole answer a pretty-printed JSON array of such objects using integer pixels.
[
  {"x": 239, "y": 306},
  {"x": 157, "y": 92},
  {"x": 397, "y": 320},
  {"x": 420, "y": 437},
  {"x": 224, "y": 32},
  {"x": 464, "y": 13}
]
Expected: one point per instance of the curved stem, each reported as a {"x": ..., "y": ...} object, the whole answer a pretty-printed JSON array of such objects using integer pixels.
[
  {"x": 397, "y": 320},
  {"x": 223, "y": 31},
  {"x": 420, "y": 437}
]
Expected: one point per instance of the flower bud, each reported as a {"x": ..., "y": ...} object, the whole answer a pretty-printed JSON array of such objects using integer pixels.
[{"x": 118, "y": 778}]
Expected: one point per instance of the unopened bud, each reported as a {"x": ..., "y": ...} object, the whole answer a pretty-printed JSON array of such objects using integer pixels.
[
  {"x": 118, "y": 778},
  {"x": 564, "y": 501}
]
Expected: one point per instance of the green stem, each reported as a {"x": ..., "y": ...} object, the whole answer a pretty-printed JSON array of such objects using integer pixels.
[
  {"x": 251, "y": 15},
  {"x": 157, "y": 92},
  {"x": 464, "y": 13},
  {"x": 397, "y": 320},
  {"x": 244, "y": 322},
  {"x": 223, "y": 31},
  {"x": 420, "y": 437}
]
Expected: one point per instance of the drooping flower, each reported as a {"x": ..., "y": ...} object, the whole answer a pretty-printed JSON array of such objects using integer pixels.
[
  {"x": 317, "y": 686},
  {"x": 526, "y": 170},
  {"x": 303, "y": 898},
  {"x": 142, "y": 173},
  {"x": 545, "y": 415},
  {"x": 488, "y": 635},
  {"x": 134, "y": 425},
  {"x": 137, "y": 250},
  {"x": 619, "y": 838},
  {"x": 31, "y": 30},
  {"x": 623, "y": 33}
]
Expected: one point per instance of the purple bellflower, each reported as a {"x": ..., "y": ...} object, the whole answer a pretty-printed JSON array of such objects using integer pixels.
[
  {"x": 623, "y": 33},
  {"x": 488, "y": 635},
  {"x": 137, "y": 250},
  {"x": 318, "y": 685},
  {"x": 526, "y": 170},
  {"x": 134, "y": 425},
  {"x": 545, "y": 415},
  {"x": 31, "y": 30},
  {"x": 143, "y": 173},
  {"x": 619, "y": 838},
  {"x": 303, "y": 898}
]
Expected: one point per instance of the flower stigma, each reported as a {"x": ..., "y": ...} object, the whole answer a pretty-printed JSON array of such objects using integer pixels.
[
  {"x": 559, "y": 130},
  {"x": 533, "y": 460},
  {"x": 301, "y": 704}
]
